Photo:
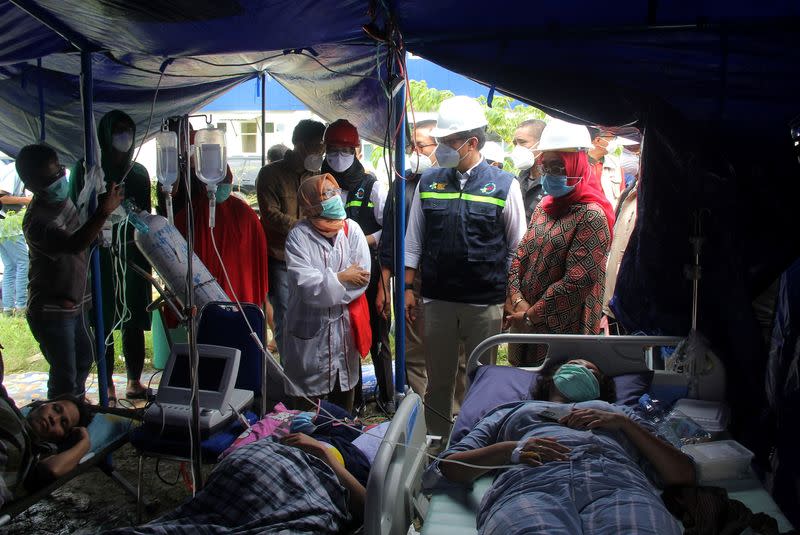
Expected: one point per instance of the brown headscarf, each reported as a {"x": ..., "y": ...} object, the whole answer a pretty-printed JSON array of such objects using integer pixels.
[{"x": 310, "y": 194}]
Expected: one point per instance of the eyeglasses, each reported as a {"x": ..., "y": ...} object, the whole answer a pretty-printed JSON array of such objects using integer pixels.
[
  {"x": 62, "y": 172},
  {"x": 331, "y": 193},
  {"x": 554, "y": 168},
  {"x": 423, "y": 145}
]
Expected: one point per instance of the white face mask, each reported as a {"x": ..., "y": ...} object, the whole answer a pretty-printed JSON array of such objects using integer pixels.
[
  {"x": 419, "y": 163},
  {"x": 340, "y": 161},
  {"x": 522, "y": 157},
  {"x": 629, "y": 162},
  {"x": 447, "y": 156},
  {"x": 122, "y": 141},
  {"x": 313, "y": 162}
]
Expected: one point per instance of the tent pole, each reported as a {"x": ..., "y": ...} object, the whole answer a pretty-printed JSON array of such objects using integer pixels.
[
  {"x": 87, "y": 94},
  {"x": 398, "y": 124},
  {"x": 263, "y": 76}
]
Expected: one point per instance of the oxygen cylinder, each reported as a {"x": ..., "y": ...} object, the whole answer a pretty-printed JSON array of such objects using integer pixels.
[{"x": 166, "y": 250}]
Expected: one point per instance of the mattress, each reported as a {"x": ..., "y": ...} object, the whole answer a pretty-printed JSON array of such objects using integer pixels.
[{"x": 453, "y": 512}]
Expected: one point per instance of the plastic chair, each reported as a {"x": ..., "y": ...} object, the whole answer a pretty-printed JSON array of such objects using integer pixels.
[{"x": 221, "y": 324}]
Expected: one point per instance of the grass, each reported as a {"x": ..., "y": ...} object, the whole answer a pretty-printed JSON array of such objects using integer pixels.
[{"x": 21, "y": 352}]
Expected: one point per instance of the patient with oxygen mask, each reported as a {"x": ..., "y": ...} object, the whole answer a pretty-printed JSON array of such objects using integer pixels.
[{"x": 568, "y": 461}]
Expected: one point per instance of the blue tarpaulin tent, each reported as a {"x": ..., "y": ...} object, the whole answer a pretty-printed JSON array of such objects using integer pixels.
[{"x": 714, "y": 85}]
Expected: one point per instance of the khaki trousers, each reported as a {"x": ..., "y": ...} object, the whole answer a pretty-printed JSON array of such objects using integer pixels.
[
  {"x": 448, "y": 325},
  {"x": 416, "y": 374}
]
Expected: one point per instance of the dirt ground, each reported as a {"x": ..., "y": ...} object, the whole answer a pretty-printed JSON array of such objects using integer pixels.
[{"x": 92, "y": 502}]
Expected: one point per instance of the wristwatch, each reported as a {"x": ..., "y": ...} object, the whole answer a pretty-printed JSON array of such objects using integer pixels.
[{"x": 528, "y": 321}]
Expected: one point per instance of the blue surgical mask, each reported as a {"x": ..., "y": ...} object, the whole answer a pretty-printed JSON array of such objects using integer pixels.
[
  {"x": 333, "y": 208},
  {"x": 57, "y": 191},
  {"x": 556, "y": 185},
  {"x": 576, "y": 383},
  {"x": 223, "y": 192}
]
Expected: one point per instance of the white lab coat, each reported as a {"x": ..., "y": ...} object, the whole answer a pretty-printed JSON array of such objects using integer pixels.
[{"x": 318, "y": 342}]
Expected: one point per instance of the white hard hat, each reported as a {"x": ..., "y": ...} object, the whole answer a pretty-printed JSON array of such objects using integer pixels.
[
  {"x": 458, "y": 114},
  {"x": 561, "y": 135},
  {"x": 493, "y": 151}
]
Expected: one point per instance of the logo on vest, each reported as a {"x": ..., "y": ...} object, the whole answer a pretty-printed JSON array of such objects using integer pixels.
[
  {"x": 360, "y": 193},
  {"x": 489, "y": 188},
  {"x": 438, "y": 186}
]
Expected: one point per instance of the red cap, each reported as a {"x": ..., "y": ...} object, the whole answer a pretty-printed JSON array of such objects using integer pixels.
[{"x": 342, "y": 132}]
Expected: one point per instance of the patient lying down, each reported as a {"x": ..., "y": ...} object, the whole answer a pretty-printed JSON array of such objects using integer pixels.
[
  {"x": 295, "y": 485},
  {"x": 581, "y": 461}
]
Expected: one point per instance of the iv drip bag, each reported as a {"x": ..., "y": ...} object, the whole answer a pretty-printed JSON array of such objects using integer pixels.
[
  {"x": 167, "y": 158},
  {"x": 211, "y": 159}
]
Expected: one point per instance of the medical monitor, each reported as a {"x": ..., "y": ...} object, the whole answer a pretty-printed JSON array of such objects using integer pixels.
[{"x": 216, "y": 376}]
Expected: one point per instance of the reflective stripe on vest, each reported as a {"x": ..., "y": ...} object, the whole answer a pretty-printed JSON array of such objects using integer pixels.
[
  {"x": 466, "y": 196},
  {"x": 359, "y": 203}
]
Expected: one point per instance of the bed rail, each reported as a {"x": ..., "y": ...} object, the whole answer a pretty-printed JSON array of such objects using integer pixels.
[
  {"x": 615, "y": 355},
  {"x": 393, "y": 488}
]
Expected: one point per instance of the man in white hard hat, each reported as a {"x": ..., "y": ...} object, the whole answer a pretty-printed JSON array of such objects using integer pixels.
[
  {"x": 524, "y": 156},
  {"x": 465, "y": 223}
]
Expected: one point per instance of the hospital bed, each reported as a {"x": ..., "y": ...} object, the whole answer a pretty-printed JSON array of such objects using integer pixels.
[{"x": 394, "y": 497}]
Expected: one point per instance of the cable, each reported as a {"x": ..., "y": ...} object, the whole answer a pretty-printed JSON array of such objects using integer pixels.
[
  {"x": 311, "y": 402},
  {"x": 147, "y": 130},
  {"x": 158, "y": 475},
  {"x": 339, "y": 73}
]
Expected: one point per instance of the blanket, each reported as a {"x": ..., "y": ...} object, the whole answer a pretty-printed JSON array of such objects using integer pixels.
[{"x": 262, "y": 488}]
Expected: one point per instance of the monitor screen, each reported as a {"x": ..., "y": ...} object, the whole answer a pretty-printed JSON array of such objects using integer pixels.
[{"x": 209, "y": 372}]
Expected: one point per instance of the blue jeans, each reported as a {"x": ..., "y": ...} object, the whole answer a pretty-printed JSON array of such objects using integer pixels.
[
  {"x": 278, "y": 294},
  {"x": 67, "y": 347},
  {"x": 14, "y": 253}
]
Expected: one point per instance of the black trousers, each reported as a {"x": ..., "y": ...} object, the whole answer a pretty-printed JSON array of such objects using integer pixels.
[{"x": 380, "y": 351}]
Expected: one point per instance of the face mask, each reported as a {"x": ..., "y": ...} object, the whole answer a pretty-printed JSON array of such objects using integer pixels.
[
  {"x": 611, "y": 148},
  {"x": 340, "y": 161},
  {"x": 577, "y": 383},
  {"x": 333, "y": 208},
  {"x": 419, "y": 163},
  {"x": 629, "y": 162},
  {"x": 122, "y": 141},
  {"x": 522, "y": 158},
  {"x": 57, "y": 191},
  {"x": 223, "y": 192},
  {"x": 556, "y": 185},
  {"x": 313, "y": 162},
  {"x": 447, "y": 156}
]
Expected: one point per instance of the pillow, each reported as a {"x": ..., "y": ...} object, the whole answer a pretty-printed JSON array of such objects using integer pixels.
[
  {"x": 631, "y": 386},
  {"x": 493, "y": 386}
]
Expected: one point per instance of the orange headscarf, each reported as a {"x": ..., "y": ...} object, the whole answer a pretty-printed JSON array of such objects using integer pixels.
[{"x": 310, "y": 194}]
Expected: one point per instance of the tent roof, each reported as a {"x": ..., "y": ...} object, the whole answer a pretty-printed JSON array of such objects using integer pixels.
[{"x": 712, "y": 60}]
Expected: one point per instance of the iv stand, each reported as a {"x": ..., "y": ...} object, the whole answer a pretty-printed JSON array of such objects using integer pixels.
[{"x": 190, "y": 311}]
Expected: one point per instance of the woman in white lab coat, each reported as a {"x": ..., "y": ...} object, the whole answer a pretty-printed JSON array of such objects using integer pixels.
[{"x": 329, "y": 266}]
